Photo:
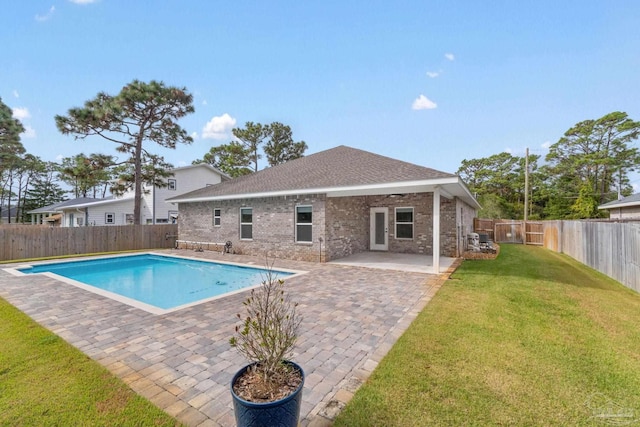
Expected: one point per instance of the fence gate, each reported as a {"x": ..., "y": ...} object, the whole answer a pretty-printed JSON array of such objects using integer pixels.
[
  {"x": 509, "y": 232},
  {"x": 534, "y": 233}
]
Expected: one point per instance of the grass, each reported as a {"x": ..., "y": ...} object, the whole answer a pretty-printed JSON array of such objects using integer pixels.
[
  {"x": 531, "y": 338},
  {"x": 44, "y": 381}
]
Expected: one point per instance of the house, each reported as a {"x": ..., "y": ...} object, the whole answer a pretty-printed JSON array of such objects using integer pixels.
[
  {"x": 51, "y": 214},
  {"x": 119, "y": 210},
  {"x": 332, "y": 204},
  {"x": 625, "y": 208},
  {"x": 8, "y": 215}
]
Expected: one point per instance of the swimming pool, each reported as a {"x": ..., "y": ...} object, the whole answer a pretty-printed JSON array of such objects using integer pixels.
[{"x": 155, "y": 283}]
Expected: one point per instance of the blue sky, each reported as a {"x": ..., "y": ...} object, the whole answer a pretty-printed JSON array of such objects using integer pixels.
[{"x": 427, "y": 82}]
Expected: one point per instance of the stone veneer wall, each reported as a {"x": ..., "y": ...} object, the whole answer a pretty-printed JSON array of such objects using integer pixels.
[
  {"x": 347, "y": 222},
  {"x": 342, "y": 223},
  {"x": 465, "y": 215},
  {"x": 273, "y": 226}
]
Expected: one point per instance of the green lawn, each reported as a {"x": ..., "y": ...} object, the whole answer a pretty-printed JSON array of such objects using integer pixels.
[
  {"x": 531, "y": 338},
  {"x": 46, "y": 382}
]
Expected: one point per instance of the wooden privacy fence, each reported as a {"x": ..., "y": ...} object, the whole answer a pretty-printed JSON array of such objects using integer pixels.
[
  {"x": 612, "y": 248},
  {"x": 30, "y": 241},
  {"x": 508, "y": 231}
]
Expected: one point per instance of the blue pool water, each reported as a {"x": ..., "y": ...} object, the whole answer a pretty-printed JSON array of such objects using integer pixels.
[{"x": 161, "y": 281}]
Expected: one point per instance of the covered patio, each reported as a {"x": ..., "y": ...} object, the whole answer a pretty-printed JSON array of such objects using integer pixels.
[{"x": 395, "y": 261}]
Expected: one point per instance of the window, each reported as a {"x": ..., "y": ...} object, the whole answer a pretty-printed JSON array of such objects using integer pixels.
[
  {"x": 109, "y": 218},
  {"x": 404, "y": 223},
  {"x": 128, "y": 219},
  {"x": 171, "y": 184},
  {"x": 216, "y": 217},
  {"x": 304, "y": 224},
  {"x": 246, "y": 223}
]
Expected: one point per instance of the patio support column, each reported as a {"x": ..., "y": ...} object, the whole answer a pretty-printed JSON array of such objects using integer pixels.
[{"x": 436, "y": 230}]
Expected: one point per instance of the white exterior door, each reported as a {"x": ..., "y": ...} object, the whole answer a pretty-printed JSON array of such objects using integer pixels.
[{"x": 379, "y": 229}]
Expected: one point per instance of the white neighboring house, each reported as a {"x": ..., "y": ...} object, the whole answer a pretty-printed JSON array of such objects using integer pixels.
[{"x": 154, "y": 210}]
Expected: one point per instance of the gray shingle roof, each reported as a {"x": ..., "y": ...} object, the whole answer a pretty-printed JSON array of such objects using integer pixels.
[
  {"x": 341, "y": 166},
  {"x": 632, "y": 200},
  {"x": 54, "y": 207}
]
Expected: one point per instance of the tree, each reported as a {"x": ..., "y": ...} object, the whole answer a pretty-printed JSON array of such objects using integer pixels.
[
  {"x": 10, "y": 130},
  {"x": 251, "y": 137},
  {"x": 591, "y": 164},
  {"x": 241, "y": 157},
  {"x": 11, "y": 150},
  {"x": 44, "y": 189},
  {"x": 155, "y": 171},
  {"x": 231, "y": 158},
  {"x": 140, "y": 112},
  {"x": 498, "y": 182},
  {"x": 280, "y": 147},
  {"x": 87, "y": 175}
]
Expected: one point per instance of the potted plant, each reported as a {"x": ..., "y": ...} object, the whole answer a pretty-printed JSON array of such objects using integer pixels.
[{"x": 267, "y": 391}]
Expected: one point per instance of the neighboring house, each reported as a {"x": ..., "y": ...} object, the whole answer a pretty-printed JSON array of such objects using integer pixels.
[
  {"x": 154, "y": 210},
  {"x": 8, "y": 215},
  {"x": 625, "y": 208},
  {"x": 52, "y": 215},
  {"x": 333, "y": 204}
]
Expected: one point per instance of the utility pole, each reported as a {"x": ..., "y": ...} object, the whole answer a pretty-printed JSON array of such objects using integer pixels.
[{"x": 526, "y": 183}]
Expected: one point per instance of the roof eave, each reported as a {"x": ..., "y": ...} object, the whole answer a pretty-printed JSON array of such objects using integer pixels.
[
  {"x": 619, "y": 205},
  {"x": 355, "y": 190}
]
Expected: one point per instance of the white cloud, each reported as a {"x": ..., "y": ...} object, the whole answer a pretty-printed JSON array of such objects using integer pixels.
[
  {"x": 204, "y": 102},
  {"x": 218, "y": 127},
  {"x": 433, "y": 74},
  {"x": 16, "y": 94},
  {"x": 46, "y": 16},
  {"x": 59, "y": 157},
  {"x": 82, "y": 1},
  {"x": 194, "y": 135},
  {"x": 546, "y": 145},
  {"x": 29, "y": 132},
  {"x": 450, "y": 56},
  {"x": 20, "y": 113},
  {"x": 423, "y": 103},
  {"x": 508, "y": 150}
]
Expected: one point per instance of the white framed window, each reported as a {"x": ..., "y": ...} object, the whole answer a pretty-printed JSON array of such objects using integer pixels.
[
  {"x": 128, "y": 218},
  {"x": 246, "y": 223},
  {"x": 404, "y": 223},
  {"x": 109, "y": 218},
  {"x": 304, "y": 224},
  {"x": 216, "y": 217},
  {"x": 172, "y": 184}
]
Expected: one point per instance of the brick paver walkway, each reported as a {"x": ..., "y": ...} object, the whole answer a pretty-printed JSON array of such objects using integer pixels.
[{"x": 182, "y": 361}]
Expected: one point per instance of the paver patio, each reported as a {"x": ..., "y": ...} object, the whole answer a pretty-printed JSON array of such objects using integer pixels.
[{"x": 182, "y": 361}]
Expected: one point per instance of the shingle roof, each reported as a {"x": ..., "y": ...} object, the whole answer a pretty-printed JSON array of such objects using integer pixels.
[
  {"x": 341, "y": 166},
  {"x": 54, "y": 207},
  {"x": 632, "y": 200}
]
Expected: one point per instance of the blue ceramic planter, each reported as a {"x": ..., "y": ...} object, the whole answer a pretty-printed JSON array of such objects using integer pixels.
[{"x": 281, "y": 413}]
